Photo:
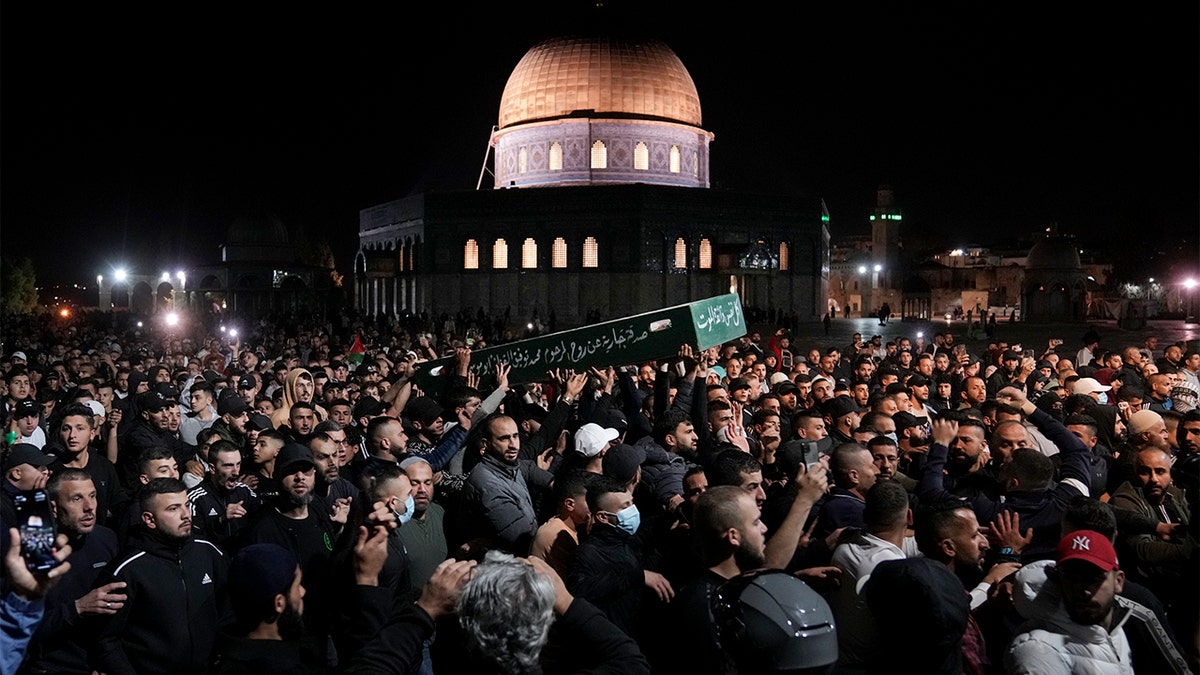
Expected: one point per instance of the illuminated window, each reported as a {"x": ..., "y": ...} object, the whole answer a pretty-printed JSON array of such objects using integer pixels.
[
  {"x": 591, "y": 253},
  {"x": 401, "y": 257},
  {"x": 471, "y": 255},
  {"x": 641, "y": 157},
  {"x": 783, "y": 256},
  {"x": 529, "y": 254},
  {"x": 680, "y": 254},
  {"x": 556, "y": 156},
  {"x": 522, "y": 160},
  {"x": 675, "y": 159},
  {"x": 558, "y": 253},
  {"x": 696, "y": 165},
  {"x": 599, "y": 155},
  {"x": 705, "y": 254},
  {"x": 500, "y": 255}
]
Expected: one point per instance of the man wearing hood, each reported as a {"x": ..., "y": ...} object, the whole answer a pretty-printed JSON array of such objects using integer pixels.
[{"x": 298, "y": 385}]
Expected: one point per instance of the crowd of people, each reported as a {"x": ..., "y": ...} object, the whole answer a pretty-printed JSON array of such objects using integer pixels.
[{"x": 293, "y": 500}]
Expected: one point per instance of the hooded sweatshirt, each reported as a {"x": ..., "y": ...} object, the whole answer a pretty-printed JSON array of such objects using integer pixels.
[{"x": 283, "y": 415}]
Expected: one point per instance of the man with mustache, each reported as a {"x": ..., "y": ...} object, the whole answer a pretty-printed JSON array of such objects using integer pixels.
[{"x": 174, "y": 585}]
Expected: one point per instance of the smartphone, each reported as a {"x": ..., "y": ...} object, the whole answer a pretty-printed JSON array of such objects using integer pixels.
[
  {"x": 1029, "y": 353},
  {"x": 1056, "y": 342},
  {"x": 36, "y": 526},
  {"x": 785, "y": 359}
]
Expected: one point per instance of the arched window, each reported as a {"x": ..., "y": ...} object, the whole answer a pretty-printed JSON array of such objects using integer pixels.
[
  {"x": 675, "y": 159},
  {"x": 680, "y": 254},
  {"x": 641, "y": 156},
  {"x": 401, "y": 258},
  {"x": 529, "y": 254},
  {"x": 599, "y": 155},
  {"x": 500, "y": 255},
  {"x": 705, "y": 254},
  {"x": 522, "y": 160},
  {"x": 556, "y": 156},
  {"x": 783, "y": 256},
  {"x": 558, "y": 253},
  {"x": 471, "y": 255},
  {"x": 591, "y": 252}
]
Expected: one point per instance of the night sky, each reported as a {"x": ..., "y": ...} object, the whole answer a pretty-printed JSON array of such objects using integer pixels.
[{"x": 138, "y": 138}]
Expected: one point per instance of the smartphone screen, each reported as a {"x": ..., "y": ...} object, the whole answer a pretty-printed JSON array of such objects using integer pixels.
[{"x": 36, "y": 527}]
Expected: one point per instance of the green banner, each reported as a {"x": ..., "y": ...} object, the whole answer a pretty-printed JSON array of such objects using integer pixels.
[{"x": 643, "y": 337}]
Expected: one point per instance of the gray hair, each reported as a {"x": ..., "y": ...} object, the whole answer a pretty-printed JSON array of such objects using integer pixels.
[{"x": 506, "y": 610}]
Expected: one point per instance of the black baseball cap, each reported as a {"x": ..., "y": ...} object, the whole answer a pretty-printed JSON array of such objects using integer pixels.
[
  {"x": 291, "y": 458},
  {"x": 24, "y": 453}
]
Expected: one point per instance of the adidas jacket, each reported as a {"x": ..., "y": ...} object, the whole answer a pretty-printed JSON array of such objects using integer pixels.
[
  {"x": 208, "y": 510},
  {"x": 174, "y": 608}
]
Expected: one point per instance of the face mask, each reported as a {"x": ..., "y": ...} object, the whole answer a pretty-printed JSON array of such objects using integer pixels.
[
  {"x": 893, "y": 437},
  {"x": 1104, "y": 398},
  {"x": 410, "y": 507},
  {"x": 628, "y": 519}
]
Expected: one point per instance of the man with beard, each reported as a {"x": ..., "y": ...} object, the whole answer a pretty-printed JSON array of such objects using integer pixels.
[
  {"x": 498, "y": 502},
  {"x": 966, "y": 460},
  {"x": 912, "y": 443},
  {"x": 325, "y": 450},
  {"x": 174, "y": 587},
  {"x": 1072, "y": 630},
  {"x": 302, "y": 420},
  {"x": 306, "y": 530},
  {"x": 1027, "y": 480},
  {"x": 732, "y": 539},
  {"x": 1187, "y": 435},
  {"x": 57, "y": 646},
  {"x": 1151, "y": 560},
  {"x": 424, "y": 536},
  {"x": 221, "y": 502},
  {"x": 152, "y": 430},
  {"x": 267, "y": 594},
  {"x": 1146, "y": 429}
]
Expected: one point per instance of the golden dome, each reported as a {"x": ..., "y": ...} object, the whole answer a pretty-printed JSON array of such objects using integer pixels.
[{"x": 564, "y": 75}]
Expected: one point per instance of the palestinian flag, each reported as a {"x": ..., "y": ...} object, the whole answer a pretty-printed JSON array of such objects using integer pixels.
[{"x": 357, "y": 351}]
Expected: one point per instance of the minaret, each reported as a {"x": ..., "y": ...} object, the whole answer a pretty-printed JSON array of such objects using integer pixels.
[{"x": 885, "y": 235}]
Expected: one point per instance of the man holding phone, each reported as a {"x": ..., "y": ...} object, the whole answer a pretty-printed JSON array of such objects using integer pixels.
[
  {"x": 25, "y": 469},
  {"x": 58, "y": 644}
]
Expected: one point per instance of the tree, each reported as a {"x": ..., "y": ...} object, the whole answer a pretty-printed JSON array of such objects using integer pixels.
[{"x": 18, "y": 286}]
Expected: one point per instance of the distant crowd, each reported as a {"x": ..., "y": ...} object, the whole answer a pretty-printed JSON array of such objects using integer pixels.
[{"x": 283, "y": 495}]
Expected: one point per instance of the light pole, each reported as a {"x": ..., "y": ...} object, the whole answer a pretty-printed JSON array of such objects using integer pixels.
[{"x": 1189, "y": 312}]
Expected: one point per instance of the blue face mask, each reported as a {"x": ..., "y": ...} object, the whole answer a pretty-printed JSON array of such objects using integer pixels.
[
  {"x": 628, "y": 519},
  {"x": 893, "y": 437},
  {"x": 1104, "y": 398},
  {"x": 410, "y": 507}
]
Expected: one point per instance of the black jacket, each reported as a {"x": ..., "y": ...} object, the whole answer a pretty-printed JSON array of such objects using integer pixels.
[
  {"x": 208, "y": 510},
  {"x": 607, "y": 571},
  {"x": 58, "y": 644},
  {"x": 175, "y": 605}
]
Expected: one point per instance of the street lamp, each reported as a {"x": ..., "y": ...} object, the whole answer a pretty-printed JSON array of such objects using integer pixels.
[
  {"x": 120, "y": 274},
  {"x": 879, "y": 268},
  {"x": 1189, "y": 314}
]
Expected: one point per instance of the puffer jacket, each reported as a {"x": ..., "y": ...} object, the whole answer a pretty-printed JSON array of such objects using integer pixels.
[{"x": 1050, "y": 642}]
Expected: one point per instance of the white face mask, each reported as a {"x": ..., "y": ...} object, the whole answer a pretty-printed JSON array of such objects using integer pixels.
[{"x": 1103, "y": 398}]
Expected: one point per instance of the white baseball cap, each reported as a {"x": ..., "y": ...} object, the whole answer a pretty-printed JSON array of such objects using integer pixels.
[
  {"x": 1088, "y": 385},
  {"x": 592, "y": 438}
]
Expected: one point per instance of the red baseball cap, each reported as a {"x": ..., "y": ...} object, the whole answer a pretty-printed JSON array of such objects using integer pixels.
[{"x": 1090, "y": 546}]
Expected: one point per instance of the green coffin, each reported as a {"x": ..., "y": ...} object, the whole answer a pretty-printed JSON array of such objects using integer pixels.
[{"x": 653, "y": 335}]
